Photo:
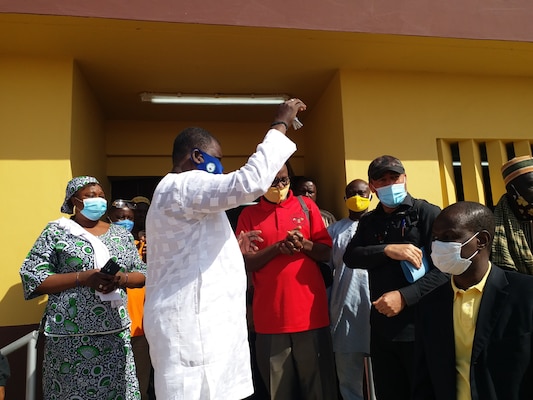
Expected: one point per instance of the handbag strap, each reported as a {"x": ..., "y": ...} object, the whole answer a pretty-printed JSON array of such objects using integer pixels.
[
  {"x": 305, "y": 209},
  {"x": 325, "y": 269}
]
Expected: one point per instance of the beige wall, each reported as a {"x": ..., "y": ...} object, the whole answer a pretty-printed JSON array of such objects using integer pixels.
[{"x": 451, "y": 18}]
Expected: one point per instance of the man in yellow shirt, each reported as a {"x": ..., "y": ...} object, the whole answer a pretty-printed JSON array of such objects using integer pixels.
[{"x": 474, "y": 334}]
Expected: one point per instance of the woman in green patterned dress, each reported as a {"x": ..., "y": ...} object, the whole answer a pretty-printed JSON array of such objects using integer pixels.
[{"x": 86, "y": 324}]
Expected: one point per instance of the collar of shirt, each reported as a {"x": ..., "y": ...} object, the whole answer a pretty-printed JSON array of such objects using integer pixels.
[{"x": 478, "y": 286}]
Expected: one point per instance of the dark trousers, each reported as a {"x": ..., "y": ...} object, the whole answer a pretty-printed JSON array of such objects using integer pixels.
[
  {"x": 143, "y": 366},
  {"x": 393, "y": 368},
  {"x": 298, "y": 366}
]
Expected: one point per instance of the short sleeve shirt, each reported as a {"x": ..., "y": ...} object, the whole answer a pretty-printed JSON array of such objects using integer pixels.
[{"x": 289, "y": 291}]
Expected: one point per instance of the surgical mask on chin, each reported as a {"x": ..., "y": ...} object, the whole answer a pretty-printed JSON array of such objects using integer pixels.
[
  {"x": 211, "y": 164},
  {"x": 447, "y": 256},
  {"x": 393, "y": 195},
  {"x": 358, "y": 203},
  {"x": 275, "y": 195},
  {"x": 94, "y": 208},
  {"x": 125, "y": 223}
]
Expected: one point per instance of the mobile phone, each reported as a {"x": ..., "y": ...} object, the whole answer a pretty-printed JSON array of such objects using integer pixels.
[{"x": 110, "y": 267}]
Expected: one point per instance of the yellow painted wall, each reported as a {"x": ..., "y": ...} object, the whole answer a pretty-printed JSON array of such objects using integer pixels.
[
  {"x": 88, "y": 142},
  {"x": 43, "y": 103},
  {"x": 403, "y": 114},
  {"x": 35, "y": 104},
  {"x": 53, "y": 128},
  {"x": 144, "y": 148},
  {"x": 324, "y": 148}
]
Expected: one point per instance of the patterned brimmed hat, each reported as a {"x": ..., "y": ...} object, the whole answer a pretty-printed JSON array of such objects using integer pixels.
[
  {"x": 73, "y": 186},
  {"x": 516, "y": 167},
  {"x": 380, "y": 165}
]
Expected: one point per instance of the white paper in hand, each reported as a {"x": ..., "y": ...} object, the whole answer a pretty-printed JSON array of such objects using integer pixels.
[{"x": 296, "y": 124}]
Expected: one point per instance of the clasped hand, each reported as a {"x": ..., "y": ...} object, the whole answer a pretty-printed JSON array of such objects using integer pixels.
[{"x": 293, "y": 242}]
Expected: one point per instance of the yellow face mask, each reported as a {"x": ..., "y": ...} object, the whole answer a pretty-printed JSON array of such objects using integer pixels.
[
  {"x": 276, "y": 195},
  {"x": 358, "y": 203}
]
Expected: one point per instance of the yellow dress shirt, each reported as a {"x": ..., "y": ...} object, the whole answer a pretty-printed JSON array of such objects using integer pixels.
[{"x": 465, "y": 311}]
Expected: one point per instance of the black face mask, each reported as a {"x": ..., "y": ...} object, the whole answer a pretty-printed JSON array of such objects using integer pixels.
[{"x": 523, "y": 209}]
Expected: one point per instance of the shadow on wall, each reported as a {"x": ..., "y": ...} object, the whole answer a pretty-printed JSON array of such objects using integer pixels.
[
  {"x": 25, "y": 309},
  {"x": 16, "y": 385}
]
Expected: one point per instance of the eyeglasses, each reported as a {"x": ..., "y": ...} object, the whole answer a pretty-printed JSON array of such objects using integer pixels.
[
  {"x": 284, "y": 181},
  {"x": 124, "y": 203}
]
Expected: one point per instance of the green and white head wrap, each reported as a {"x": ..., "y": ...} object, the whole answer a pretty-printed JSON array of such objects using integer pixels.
[{"x": 73, "y": 186}]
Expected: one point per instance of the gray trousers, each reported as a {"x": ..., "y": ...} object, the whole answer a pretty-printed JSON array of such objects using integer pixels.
[{"x": 297, "y": 365}]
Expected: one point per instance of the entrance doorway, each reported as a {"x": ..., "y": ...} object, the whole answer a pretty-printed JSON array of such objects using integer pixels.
[{"x": 127, "y": 187}]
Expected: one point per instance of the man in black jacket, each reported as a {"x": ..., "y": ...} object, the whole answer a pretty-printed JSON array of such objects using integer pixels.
[
  {"x": 397, "y": 232},
  {"x": 474, "y": 334}
]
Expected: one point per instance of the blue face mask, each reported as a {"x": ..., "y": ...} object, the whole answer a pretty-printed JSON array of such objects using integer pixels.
[
  {"x": 393, "y": 195},
  {"x": 94, "y": 208},
  {"x": 125, "y": 223},
  {"x": 211, "y": 164}
]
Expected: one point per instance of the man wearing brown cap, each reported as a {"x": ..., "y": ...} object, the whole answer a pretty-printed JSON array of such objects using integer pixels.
[
  {"x": 141, "y": 209},
  {"x": 393, "y": 243},
  {"x": 511, "y": 248}
]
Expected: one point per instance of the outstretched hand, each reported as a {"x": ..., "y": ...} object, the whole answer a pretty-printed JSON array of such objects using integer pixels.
[{"x": 247, "y": 241}]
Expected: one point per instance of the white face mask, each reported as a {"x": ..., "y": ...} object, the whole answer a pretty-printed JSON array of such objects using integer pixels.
[{"x": 447, "y": 256}]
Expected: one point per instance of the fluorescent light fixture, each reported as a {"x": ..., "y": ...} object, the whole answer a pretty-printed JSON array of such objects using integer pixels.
[{"x": 214, "y": 99}]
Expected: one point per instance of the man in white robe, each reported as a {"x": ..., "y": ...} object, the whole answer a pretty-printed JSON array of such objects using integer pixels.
[{"x": 195, "y": 308}]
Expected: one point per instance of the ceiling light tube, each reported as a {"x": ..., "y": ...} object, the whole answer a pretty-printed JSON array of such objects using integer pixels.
[{"x": 213, "y": 99}]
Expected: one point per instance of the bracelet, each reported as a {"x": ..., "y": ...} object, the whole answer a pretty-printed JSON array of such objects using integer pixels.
[
  {"x": 78, "y": 279},
  {"x": 126, "y": 283},
  {"x": 279, "y": 123}
]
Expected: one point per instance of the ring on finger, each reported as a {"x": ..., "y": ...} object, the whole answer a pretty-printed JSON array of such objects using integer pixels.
[{"x": 100, "y": 286}]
